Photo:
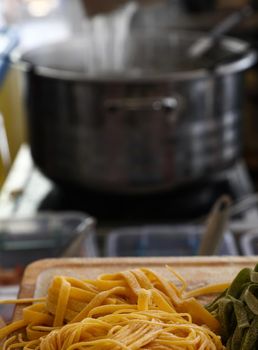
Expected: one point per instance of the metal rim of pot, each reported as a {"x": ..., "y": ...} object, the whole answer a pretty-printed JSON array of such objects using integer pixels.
[{"x": 247, "y": 59}]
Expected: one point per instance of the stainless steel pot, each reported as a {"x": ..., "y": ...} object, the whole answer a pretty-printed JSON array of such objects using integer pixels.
[{"x": 147, "y": 119}]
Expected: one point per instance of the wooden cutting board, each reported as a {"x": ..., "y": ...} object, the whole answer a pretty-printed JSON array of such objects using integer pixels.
[{"x": 198, "y": 271}]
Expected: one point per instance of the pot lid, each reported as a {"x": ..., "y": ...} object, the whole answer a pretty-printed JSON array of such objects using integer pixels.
[{"x": 142, "y": 56}]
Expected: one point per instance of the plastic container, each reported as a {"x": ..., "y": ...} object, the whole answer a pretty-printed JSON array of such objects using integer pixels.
[
  {"x": 249, "y": 243},
  {"x": 180, "y": 240},
  {"x": 46, "y": 235}
]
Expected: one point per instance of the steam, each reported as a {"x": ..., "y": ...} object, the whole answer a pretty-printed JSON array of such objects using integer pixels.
[{"x": 105, "y": 37}]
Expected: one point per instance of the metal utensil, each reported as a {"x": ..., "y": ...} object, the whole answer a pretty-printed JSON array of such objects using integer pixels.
[
  {"x": 216, "y": 225},
  {"x": 204, "y": 44}
]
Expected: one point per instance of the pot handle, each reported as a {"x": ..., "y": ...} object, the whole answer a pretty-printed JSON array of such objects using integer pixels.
[{"x": 166, "y": 104}]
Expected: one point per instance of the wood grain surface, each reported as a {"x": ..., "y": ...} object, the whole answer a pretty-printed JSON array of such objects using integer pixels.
[{"x": 198, "y": 271}]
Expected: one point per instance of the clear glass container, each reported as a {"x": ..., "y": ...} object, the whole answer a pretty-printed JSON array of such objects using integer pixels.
[
  {"x": 47, "y": 235},
  {"x": 178, "y": 240},
  {"x": 249, "y": 243}
]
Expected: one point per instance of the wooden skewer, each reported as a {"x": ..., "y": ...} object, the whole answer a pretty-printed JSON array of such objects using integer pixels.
[{"x": 216, "y": 225}]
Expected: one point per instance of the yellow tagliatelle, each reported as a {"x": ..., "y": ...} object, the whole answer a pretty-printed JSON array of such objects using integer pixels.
[{"x": 131, "y": 310}]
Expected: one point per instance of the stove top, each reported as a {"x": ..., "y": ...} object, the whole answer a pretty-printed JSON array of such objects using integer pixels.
[
  {"x": 183, "y": 204},
  {"x": 27, "y": 191}
]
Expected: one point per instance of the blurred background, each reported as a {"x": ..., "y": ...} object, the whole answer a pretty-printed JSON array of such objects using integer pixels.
[
  {"x": 37, "y": 23},
  {"x": 122, "y": 123}
]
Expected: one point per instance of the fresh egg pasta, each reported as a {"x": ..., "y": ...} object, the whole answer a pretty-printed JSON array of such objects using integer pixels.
[{"x": 130, "y": 310}]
